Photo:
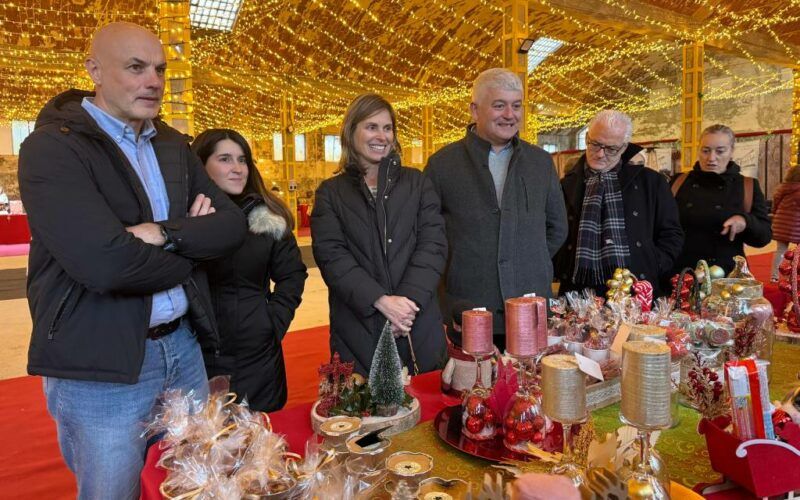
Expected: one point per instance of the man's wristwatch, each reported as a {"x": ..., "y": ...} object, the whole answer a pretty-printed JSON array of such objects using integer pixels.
[{"x": 169, "y": 243}]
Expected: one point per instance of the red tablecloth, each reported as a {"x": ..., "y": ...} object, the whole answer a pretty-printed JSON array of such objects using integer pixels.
[
  {"x": 295, "y": 424},
  {"x": 777, "y": 298},
  {"x": 14, "y": 229}
]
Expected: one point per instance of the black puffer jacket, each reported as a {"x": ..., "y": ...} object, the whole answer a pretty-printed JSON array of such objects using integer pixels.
[
  {"x": 253, "y": 317},
  {"x": 705, "y": 201},
  {"x": 651, "y": 223},
  {"x": 90, "y": 282},
  {"x": 367, "y": 248}
]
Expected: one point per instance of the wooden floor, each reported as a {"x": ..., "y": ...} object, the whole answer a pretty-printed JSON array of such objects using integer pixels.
[{"x": 15, "y": 321}]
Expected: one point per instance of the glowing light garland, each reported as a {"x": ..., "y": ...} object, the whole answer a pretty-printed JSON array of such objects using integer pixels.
[{"x": 245, "y": 72}]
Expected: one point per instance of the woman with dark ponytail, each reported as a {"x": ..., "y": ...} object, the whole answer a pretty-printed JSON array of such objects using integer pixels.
[{"x": 255, "y": 291}]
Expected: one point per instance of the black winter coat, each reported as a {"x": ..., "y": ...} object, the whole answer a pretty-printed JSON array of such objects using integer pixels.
[
  {"x": 705, "y": 201},
  {"x": 496, "y": 253},
  {"x": 651, "y": 224},
  {"x": 253, "y": 317},
  {"x": 367, "y": 248},
  {"x": 90, "y": 282}
]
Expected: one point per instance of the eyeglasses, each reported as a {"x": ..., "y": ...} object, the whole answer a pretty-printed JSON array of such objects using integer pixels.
[{"x": 608, "y": 150}]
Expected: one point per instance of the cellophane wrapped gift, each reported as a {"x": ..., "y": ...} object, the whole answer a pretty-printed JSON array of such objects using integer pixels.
[{"x": 218, "y": 448}]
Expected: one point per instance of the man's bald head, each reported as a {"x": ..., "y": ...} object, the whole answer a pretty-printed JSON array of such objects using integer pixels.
[
  {"x": 108, "y": 38},
  {"x": 127, "y": 64}
]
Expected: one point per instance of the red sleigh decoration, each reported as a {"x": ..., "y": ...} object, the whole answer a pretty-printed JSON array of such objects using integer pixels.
[{"x": 765, "y": 467}]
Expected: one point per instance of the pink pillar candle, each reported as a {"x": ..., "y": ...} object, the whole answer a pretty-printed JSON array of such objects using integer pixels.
[
  {"x": 476, "y": 332},
  {"x": 521, "y": 321}
]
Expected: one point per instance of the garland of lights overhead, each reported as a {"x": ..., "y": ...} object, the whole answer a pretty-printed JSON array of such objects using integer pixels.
[{"x": 320, "y": 102}]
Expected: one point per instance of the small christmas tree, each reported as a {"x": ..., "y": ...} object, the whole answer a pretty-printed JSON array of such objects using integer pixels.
[{"x": 386, "y": 375}]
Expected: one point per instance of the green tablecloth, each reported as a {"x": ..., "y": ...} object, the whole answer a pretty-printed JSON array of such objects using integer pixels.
[{"x": 682, "y": 448}]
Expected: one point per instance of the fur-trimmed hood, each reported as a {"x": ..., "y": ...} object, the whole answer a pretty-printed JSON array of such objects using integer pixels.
[{"x": 261, "y": 220}]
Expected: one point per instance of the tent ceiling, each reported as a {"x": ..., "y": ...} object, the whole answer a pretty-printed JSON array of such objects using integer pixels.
[{"x": 623, "y": 53}]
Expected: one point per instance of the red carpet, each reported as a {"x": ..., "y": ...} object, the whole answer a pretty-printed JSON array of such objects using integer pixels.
[{"x": 32, "y": 467}]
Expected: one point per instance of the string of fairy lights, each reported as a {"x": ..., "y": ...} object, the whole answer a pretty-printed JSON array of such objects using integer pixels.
[{"x": 324, "y": 53}]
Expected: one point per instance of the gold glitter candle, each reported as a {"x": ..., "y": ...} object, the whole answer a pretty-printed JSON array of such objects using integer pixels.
[
  {"x": 646, "y": 385},
  {"x": 650, "y": 332},
  {"x": 564, "y": 389}
]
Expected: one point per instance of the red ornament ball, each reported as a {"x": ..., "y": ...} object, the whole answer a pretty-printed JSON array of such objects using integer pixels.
[
  {"x": 538, "y": 422},
  {"x": 511, "y": 437},
  {"x": 524, "y": 430},
  {"x": 474, "y": 424},
  {"x": 509, "y": 422},
  {"x": 538, "y": 437},
  {"x": 476, "y": 406},
  {"x": 488, "y": 417},
  {"x": 520, "y": 406}
]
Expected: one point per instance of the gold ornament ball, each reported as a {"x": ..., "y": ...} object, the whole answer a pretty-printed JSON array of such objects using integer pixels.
[
  {"x": 612, "y": 283},
  {"x": 628, "y": 281},
  {"x": 626, "y": 288},
  {"x": 737, "y": 289},
  {"x": 725, "y": 294}
]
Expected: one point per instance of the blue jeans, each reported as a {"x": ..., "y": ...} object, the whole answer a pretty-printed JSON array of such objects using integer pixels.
[{"x": 100, "y": 424}]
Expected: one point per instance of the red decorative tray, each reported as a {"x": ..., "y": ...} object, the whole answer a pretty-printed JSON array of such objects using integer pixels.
[{"x": 448, "y": 426}]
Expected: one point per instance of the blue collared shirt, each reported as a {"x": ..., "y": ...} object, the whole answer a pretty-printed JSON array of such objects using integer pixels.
[
  {"x": 168, "y": 304},
  {"x": 498, "y": 166}
]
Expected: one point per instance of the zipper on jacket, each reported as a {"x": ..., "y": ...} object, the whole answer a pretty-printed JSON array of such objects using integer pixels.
[
  {"x": 59, "y": 312},
  {"x": 209, "y": 313},
  {"x": 133, "y": 177},
  {"x": 385, "y": 226}
]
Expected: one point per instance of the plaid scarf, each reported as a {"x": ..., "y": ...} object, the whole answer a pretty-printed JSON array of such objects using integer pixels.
[{"x": 602, "y": 242}]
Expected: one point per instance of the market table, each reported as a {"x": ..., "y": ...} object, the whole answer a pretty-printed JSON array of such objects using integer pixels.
[
  {"x": 682, "y": 449},
  {"x": 14, "y": 229}
]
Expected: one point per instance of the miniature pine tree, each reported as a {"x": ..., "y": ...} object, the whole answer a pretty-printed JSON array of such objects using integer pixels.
[{"x": 385, "y": 375}]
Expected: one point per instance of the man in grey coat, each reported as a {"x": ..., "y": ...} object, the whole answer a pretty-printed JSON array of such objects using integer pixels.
[{"x": 502, "y": 204}]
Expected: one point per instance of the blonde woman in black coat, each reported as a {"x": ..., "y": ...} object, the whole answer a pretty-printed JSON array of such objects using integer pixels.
[
  {"x": 378, "y": 239},
  {"x": 720, "y": 210},
  {"x": 255, "y": 291}
]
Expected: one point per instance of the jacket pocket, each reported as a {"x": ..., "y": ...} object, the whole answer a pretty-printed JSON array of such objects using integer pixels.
[{"x": 60, "y": 310}]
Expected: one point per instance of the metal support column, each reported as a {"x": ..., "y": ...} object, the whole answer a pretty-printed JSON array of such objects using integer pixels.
[
  {"x": 515, "y": 30},
  {"x": 175, "y": 34},
  {"x": 287, "y": 133},
  {"x": 692, "y": 103}
]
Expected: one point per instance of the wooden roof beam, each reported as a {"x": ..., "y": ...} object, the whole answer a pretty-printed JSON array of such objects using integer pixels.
[{"x": 761, "y": 47}]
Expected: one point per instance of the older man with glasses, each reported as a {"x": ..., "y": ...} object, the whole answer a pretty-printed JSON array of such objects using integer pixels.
[{"x": 621, "y": 215}]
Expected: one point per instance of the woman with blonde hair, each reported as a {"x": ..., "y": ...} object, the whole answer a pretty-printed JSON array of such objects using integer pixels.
[
  {"x": 378, "y": 239},
  {"x": 786, "y": 216},
  {"x": 721, "y": 210}
]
